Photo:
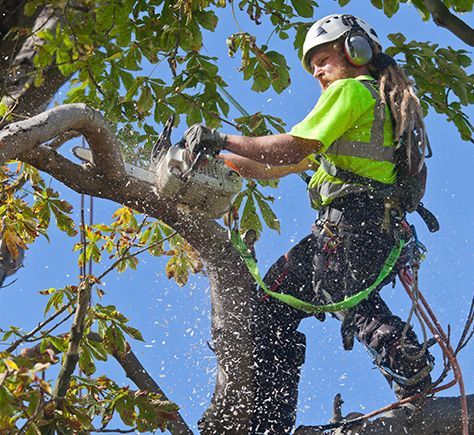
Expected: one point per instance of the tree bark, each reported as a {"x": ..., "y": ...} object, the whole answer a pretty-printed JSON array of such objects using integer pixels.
[
  {"x": 439, "y": 415},
  {"x": 444, "y": 18},
  {"x": 16, "y": 61}
]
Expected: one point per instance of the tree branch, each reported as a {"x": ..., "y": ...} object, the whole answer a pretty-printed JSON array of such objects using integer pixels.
[
  {"x": 59, "y": 141},
  {"x": 40, "y": 326},
  {"x": 19, "y": 78},
  {"x": 444, "y": 18},
  {"x": 21, "y": 137},
  {"x": 142, "y": 379},
  {"x": 134, "y": 370},
  {"x": 440, "y": 415},
  {"x": 72, "y": 355}
]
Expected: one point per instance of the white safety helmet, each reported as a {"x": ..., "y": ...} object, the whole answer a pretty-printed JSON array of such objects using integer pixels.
[{"x": 357, "y": 45}]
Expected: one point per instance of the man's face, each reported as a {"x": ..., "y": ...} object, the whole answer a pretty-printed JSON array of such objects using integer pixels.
[{"x": 328, "y": 65}]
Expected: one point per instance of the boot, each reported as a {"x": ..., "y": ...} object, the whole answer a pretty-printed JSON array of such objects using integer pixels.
[{"x": 404, "y": 391}]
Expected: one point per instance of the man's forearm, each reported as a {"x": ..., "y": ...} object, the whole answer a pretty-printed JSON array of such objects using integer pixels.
[
  {"x": 278, "y": 149},
  {"x": 248, "y": 168}
]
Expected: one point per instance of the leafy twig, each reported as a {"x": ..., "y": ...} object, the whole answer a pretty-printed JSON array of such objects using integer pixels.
[
  {"x": 40, "y": 326},
  {"x": 30, "y": 420},
  {"x": 124, "y": 258},
  {"x": 47, "y": 332}
]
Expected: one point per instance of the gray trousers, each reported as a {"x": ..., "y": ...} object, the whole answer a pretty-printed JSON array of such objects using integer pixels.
[{"x": 326, "y": 266}]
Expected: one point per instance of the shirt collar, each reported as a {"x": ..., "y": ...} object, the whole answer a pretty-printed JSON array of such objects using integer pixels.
[{"x": 364, "y": 77}]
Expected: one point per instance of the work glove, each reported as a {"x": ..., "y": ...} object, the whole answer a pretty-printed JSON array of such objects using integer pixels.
[{"x": 199, "y": 138}]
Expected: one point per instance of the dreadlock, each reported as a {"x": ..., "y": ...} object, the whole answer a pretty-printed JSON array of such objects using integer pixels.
[{"x": 398, "y": 92}]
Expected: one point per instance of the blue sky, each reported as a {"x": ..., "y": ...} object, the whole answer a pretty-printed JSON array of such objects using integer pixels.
[{"x": 176, "y": 321}]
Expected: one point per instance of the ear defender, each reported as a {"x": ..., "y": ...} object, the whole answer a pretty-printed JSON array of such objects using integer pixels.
[{"x": 357, "y": 47}]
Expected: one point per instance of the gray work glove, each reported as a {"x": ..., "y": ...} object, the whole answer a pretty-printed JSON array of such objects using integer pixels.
[{"x": 200, "y": 138}]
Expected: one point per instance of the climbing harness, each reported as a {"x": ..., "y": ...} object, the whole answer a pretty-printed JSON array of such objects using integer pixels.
[{"x": 345, "y": 304}]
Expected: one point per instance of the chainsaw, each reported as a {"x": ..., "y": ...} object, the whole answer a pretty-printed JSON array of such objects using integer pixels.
[{"x": 201, "y": 183}]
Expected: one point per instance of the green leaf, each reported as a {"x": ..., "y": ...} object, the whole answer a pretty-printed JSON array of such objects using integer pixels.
[
  {"x": 303, "y": 7},
  {"x": 145, "y": 102},
  {"x": 30, "y": 8},
  {"x": 59, "y": 343},
  {"x": 86, "y": 363},
  {"x": 133, "y": 332},
  {"x": 268, "y": 215},
  {"x": 390, "y": 7},
  {"x": 207, "y": 19},
  {"x": 133, "y": 88},
  {"x": 114, "y": 341},
  {"x": 261, "y": 81},
  {"x": 105, "y": 15},
  {"x": 421, "y": 8},
  {"x": 250, "y": 219},
  {"x": 126, "y": 409},
  {"x": 397, "y": 38}
]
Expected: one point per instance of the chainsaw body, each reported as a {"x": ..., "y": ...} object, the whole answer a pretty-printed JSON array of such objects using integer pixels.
[
  {"x": 207, "y": 186},
  {"x": 204, "y": 184}
]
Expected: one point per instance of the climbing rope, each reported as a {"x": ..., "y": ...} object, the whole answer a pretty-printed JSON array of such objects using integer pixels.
[
  {"x": 442, "y": 339},
  {"x": 417, "y": 255}
]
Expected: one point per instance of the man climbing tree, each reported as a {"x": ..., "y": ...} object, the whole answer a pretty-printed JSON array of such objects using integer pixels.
[{"x": 365, "y": 131}]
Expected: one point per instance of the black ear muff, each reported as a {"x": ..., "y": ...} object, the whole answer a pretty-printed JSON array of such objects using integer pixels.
[{"x": 357, "y": 48}]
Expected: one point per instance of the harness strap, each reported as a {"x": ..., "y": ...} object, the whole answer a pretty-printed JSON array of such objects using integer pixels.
[
  {"x": 351, "y": 177},
  {"x": 398, "y": 378},
  {"x": 363, "y": 150},
  {"x": 374, "y": 149},
  {"x": 345, "y": 304}
]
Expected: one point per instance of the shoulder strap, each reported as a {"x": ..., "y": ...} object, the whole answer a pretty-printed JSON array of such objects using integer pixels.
[{"x": 374, "y": 149}]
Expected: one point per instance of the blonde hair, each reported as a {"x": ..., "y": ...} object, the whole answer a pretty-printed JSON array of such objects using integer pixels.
[{"x": 397, "y": 90}]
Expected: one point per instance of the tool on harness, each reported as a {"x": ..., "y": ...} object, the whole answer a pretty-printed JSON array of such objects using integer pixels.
[
  {"x": 345, "y": 304},
  {"x": 379, "y": 190},
  {"x": 202, "y": 183}
]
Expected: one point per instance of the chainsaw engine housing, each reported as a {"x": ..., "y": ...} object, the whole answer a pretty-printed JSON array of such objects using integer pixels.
[{"x": 207, "y": 188}]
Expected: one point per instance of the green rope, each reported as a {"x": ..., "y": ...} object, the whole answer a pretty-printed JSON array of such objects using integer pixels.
[{"x": 345, "y": 304}]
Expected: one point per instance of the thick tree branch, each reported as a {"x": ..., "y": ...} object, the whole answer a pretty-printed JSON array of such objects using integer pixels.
[
  {"x": 20, "y": 137},
  {"x": 444, "y": 18},
  {"x": 440, "y": 415},
  {"x": 17, "y": 64}
]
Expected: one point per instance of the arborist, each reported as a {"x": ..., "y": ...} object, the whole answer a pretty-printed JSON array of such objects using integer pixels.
[{"x": 366, "y": 112}]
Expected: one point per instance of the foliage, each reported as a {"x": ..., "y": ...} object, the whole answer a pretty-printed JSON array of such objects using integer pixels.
[
  {"x": 139, "y": 62},
  {"x": 26, "y": 395},
  {"x": 22, "y": 221},
  {"x": 441, "y": 78}
]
